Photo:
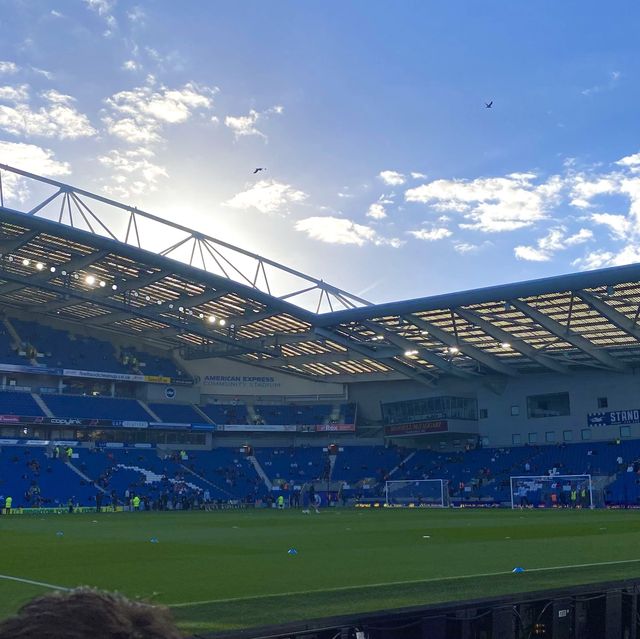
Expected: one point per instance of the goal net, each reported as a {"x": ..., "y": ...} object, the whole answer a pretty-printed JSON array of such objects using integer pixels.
[
  {"x": 414, "y": 493},
  {"x": 554, "y": 491}
]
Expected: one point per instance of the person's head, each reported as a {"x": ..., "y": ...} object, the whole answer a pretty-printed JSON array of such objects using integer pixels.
[{"x": 86, "y": 613}]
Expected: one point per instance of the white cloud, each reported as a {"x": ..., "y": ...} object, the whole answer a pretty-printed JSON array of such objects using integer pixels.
[
  {"x": 136, "y": 167},
  {"x": 131, "y": 65},
  {"x": 619, "y": 224},
  {"x": 392, "y": 178},
  {"x": 377, "y": 211},
  {"x": 614, "y": 76},
  {"x": 14, "y": 93},
  {"x": 491, "y": 204},
  {"x": 104, "y": 9},
  {"x": 629, "y": 254},
  {"x": 468, "y": 247},
  {"x": 8, "y": 67},
  {"x": 432, "y": 234},
  {"x": 555, "y": 240},
  {"x": 531, "y": 254},
  {"x": 27, "y": 157},
  {"x": 267, "y": 196},
  {"x": 243, "y": 125},
  {"x": 584, "y": 189},
  {"x": 337, "y": 230},
  {"x": 138, "y": 116},
  {"x": 416, "y": 175},
  {"x": 55, "y": 14},
  {"x": 57, "y": 119}
]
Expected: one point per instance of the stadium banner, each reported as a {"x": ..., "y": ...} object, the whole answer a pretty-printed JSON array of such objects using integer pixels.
[
  {"x": 258, "y": 428},
  {"x": 38, "y": 370},
  {"x": 614, "y": 417},
  {"x": 332, "y": 428},
  {"x": 122, "y": 377},
  {"x": 129, "y": 424},
  {"x": 417, "y": 428}
]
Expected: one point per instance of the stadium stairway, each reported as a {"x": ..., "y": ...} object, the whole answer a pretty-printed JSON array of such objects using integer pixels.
[
  {"x": 206, "y": 481},
  {"x": 148, "y": 409},
  {"x": 88, "y": 479},
  {"x": 256, "y": 464},
  {"x": 43, "y": 407}
]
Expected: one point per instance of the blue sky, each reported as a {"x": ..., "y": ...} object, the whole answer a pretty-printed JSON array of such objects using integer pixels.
[{"x": 386, "y": 175}]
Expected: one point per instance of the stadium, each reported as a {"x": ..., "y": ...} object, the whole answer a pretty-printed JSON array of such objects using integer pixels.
[{"x": 187, "y": 422}]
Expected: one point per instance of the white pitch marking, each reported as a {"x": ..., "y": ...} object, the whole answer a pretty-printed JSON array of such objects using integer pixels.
[
  {"x": 34, "y": 583},
  {"x": 397, "y": 583}
]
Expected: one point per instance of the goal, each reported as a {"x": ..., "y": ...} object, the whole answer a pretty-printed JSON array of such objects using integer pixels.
[
  {"x": 554, "y": 491},
  {"x": 412, "y": 493}
]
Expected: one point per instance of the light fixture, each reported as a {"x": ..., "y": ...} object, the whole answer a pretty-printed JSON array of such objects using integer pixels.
[
  {"x": 64, "y": 272},
  {"x": 410, "y": 353},
  {"x": 90, "y": 280},
  {"x": 53, "y": 269},
  {"x": 39, "y": 266},
  {"x": 211, "y": 319},
  {"x": 26, "y": 262},
  {"x": 147, "y": 298},
  {"x": 454, "y": 349},
  {"x": 424, "y": 332},
  {"x": 159, "y": 302},
  {"x": 102, "y": 283},
  {"x": 170, "y": 305},
  {"x": 200, "y": 315},
  {"x": 505, "y": 345},
  {"x": 222, "y": 322},
  {"x": 114, "y": 287},
  {"x": 181, "y": 309}
]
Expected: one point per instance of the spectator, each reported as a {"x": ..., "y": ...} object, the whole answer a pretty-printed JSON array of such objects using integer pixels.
[{"x": 84, "y": 613}]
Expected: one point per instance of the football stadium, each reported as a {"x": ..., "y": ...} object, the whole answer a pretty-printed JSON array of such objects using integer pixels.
[{"x": 191, "y": 424}]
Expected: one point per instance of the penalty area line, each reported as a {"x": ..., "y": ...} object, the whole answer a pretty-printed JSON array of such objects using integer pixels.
[
  {"x": 397, "y": 583},
  {"x": 34, "y": 583}
]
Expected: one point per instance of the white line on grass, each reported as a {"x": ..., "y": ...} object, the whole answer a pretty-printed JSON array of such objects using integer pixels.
[
  {"x": 34, "y": 583},
  {"x": 397, "y": 583}
]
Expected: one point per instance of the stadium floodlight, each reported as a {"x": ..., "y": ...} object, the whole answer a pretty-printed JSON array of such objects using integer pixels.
[
  {"x": 505, "y": 345},
  {"x": 114, "y": 287},
  {"x": 222, "y": 322},
  {"x": 416, "y": 493},
  {"x": 53, "y": 269},
  {"x": 554, "y": 491},
  {"x": 90, "y": 280},
  {"x": 454, "y": 349},
  {"x": 39, "y": 266},
  {"x": 410, "y": 353},
  {"x": 26, "y": 262},
  {"x": 102, "y": 283},
  {"x": 211, "y": 319}
]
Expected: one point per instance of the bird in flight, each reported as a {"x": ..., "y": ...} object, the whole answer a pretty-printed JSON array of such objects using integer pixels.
[
  {"x": 488, "y": 105},
  {"x": 260, "y": 168}
]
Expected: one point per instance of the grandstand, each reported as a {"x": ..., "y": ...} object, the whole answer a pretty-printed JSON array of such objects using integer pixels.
[{"x": 200, "y": 376}]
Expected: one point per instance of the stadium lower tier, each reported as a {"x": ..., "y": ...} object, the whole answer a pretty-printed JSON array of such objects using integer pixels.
[{"x": 42, "y": 474}]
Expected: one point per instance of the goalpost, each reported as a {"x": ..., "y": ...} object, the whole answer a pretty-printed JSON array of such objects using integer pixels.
[
  {"x": 554, "y": 491},
  {"x": 414, "y": 493}
]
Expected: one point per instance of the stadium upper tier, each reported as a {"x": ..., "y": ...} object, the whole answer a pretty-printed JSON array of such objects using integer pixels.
[
  {"x": 116, "y": 408},
  {"x": 170, "y": 286}
]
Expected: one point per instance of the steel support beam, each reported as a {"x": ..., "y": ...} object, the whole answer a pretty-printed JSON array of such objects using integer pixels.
[
  {"x": 424, "y": 377},
  {"x": 433, "y": 358},
  {"x": 40, "y": 277},
  {"x": 618, "y": 319},
  {"x": 517, "y": 345},
  {"x": 569, "y": 336},
  {"x": 486, "y": 359}
]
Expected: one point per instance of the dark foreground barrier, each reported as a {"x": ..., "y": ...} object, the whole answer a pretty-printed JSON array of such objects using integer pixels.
[{"x": 607, "y": 610}]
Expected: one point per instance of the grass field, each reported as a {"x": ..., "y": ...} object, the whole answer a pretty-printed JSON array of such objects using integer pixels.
[{"x": 231, "y": 569}]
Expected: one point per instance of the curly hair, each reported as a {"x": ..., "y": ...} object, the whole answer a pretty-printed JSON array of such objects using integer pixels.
[{"x": 85, "y": 613}]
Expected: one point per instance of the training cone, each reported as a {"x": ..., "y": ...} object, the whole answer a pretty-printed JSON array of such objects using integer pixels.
[
  {"x": 517, "y": 570},
  {"x": 292, "y": 551}
]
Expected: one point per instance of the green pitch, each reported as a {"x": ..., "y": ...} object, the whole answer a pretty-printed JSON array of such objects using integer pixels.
[{"x": 231, "y": 569}]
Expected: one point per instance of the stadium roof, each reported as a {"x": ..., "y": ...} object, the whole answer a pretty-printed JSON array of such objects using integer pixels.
[{"x": 77, "y": 256}]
